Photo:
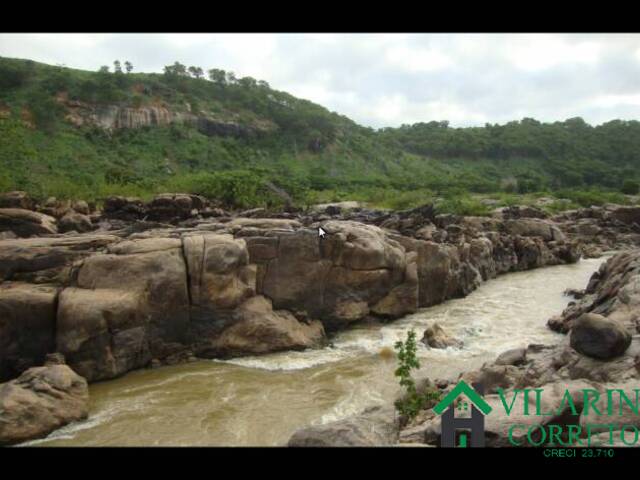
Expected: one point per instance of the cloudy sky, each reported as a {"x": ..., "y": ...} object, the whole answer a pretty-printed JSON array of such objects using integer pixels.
[{"x": 388, "y": 80}]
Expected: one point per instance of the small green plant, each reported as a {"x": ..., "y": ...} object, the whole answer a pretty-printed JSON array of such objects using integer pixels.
[{"x": 412, "y": 401}]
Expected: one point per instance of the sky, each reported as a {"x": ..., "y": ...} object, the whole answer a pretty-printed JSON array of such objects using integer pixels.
[{"x": 386, "y": 80}]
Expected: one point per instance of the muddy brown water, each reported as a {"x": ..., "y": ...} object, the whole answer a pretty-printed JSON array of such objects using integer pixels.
[{"x": 263, "y": 400}]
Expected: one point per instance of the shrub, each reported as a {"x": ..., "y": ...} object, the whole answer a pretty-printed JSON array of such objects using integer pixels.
[
  {"x": 13, "y": 75},
  {"x": 412, "y": 401},
  {"x": 630, "y": 187},
  {"x": 462, "y": 204},
  {"x": 45, "y": 111}
]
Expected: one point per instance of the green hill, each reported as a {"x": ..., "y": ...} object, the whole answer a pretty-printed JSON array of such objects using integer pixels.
[{"x": 74, "y": 133}]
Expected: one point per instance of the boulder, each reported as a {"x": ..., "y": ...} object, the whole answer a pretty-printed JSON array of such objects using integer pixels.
[
  {"x": 435, "y": 337},
  {"x": 516, "y": 356},
  {"x": 46, "y": 259},
  {"x": 74, "y": 221},
  {"x": 220, "y": 276},
  {"x": 81, "y": 206},
  {"x": 40, "y": 401},
  {"x": 599, "y": 337},
  {"x": 25, "y": 223},
  {"x": 27, "y": 326},
  {"x": 258, "y": 329},
  {"x": 375, "y": 426},
  {"x": 125, "y": 309},
  {"x": 16, "y": 199},
  {"x": 175, "y": 206},
  {"x": 102, "y": 332},
  {"x": 124, "y": 208}
]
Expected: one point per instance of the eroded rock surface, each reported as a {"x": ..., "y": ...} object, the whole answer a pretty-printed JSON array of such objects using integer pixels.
[{"x": 40, "y": 401}]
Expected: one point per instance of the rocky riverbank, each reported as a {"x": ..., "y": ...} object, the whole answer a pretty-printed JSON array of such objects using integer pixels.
[
  {"x": 600, "y": 353},
  {"x": 144, "y": 284}
]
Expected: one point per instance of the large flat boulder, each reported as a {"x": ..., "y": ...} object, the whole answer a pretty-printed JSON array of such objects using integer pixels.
[
  {"x": 16, "y": 199},
  {"x": 533, "y": 227},
  {"x": 44, "y": 259},
  {"x": 25, "y": 223}
]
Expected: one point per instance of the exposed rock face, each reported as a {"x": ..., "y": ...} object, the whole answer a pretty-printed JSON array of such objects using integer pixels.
[
  {"x": 41, "y": 400},
  {"x": 152, "y": 293},
  {"x": 25, "y": 223},
  {"x": 27, "y": 326},
  {"x": 627, "y": 215},
  {"x": 127, "y": 306},
  {"x": 220, "y": 277},
  {"x": 374, "y": 427},
  {"x": 599, "y": 337},
  {"x": 47, "y": 259},
  {"x": 116, "y": 117},
  {"x": 340, "y": 278},
  {"x": 598, "y": 229}
]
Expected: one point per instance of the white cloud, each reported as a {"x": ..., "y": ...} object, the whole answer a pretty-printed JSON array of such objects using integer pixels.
[
  {"x": 417, "y": 59},
  {"x": 539, "y": 52}
]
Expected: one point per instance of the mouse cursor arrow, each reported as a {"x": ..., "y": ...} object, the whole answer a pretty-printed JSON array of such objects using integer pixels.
[{"x": 321, "y": 232}]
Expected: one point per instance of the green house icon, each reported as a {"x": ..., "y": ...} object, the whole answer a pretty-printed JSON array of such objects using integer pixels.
[{"x": 449, "y": 422}]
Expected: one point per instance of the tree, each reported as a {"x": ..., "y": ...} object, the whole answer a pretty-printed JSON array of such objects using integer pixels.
[
  {"x": 248, "y": 82},
  {"x": 231, "y": 78},
  {"x": 176, "y": 70},
  {"x": 218, "y": 76},
  {"x": 104, "y": 69},
  {"x": 128, "y": 66},
  {"x": 117, "y": 68},
  {"x": 196, "y": 72}
]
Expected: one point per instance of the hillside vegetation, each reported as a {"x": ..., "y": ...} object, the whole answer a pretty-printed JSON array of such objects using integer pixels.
[{"x": 312, "y": 153}]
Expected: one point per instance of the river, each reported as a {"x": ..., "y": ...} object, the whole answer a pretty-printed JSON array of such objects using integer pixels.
[{"x": 263, "y": 400}]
